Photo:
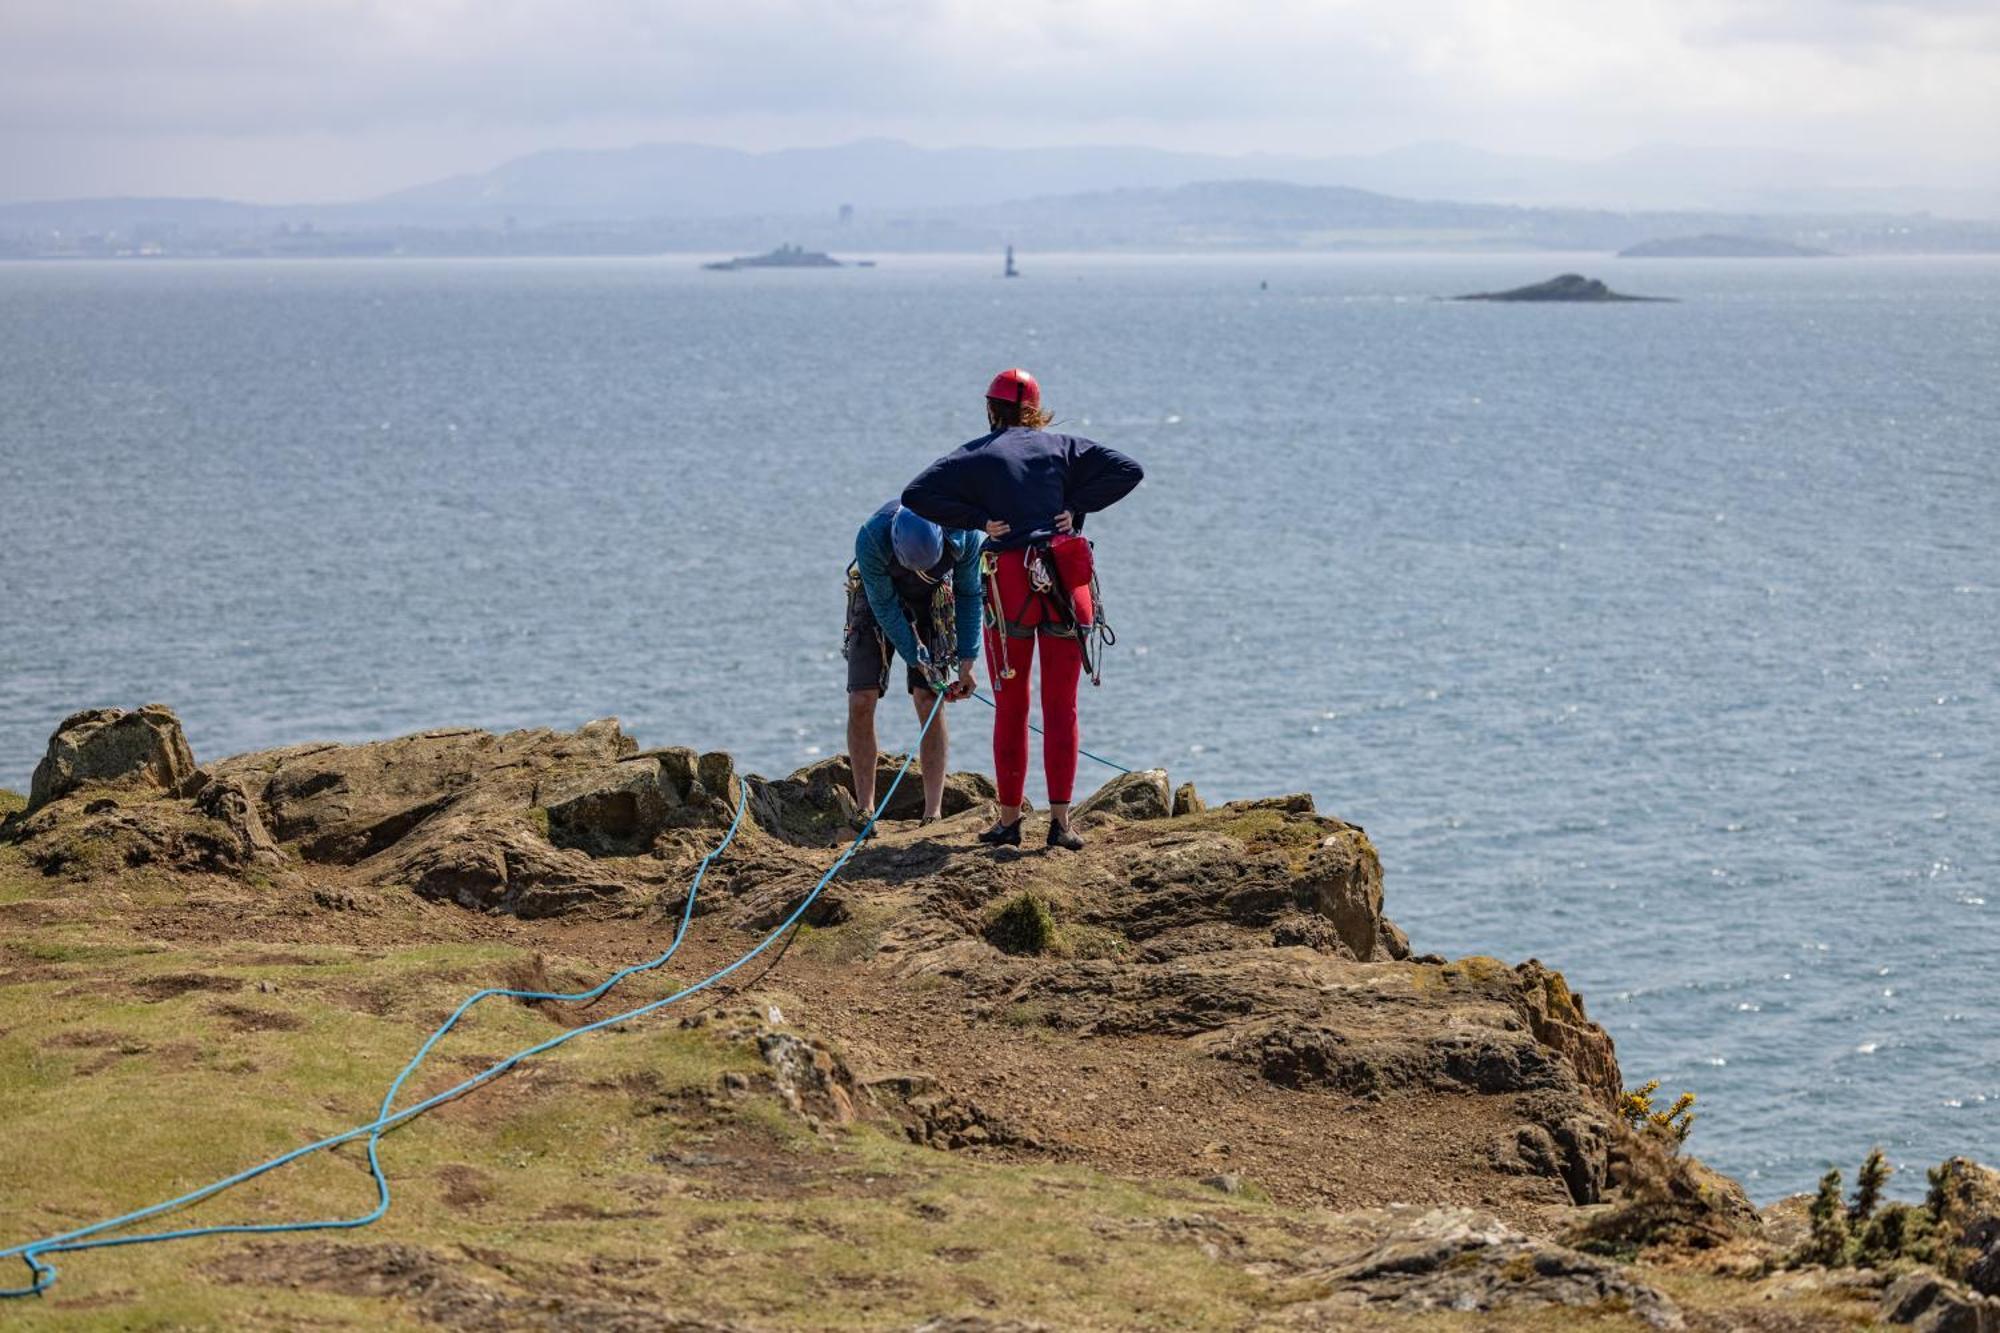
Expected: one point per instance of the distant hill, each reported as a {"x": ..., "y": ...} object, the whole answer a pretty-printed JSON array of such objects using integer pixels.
[
  {"x": 689, "y": 180},
  {"x": 883, "y": 196},
  {"x": 1713, "y": 245}
]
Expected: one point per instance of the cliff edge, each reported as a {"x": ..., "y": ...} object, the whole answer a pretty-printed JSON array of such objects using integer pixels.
[{"x": 1191, "y": 1076}]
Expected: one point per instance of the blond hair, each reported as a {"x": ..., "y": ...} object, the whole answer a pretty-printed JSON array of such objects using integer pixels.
[{"x": 1004, "y": 415}]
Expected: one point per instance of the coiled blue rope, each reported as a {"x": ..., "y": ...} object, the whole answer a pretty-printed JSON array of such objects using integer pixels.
[{"x": 91, "y": 1237}]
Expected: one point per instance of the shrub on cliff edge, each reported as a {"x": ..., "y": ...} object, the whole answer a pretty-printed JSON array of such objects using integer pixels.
[{"x": 1635, "y": 1106}]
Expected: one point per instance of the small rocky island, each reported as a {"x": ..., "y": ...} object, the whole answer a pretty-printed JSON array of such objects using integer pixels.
[
  {"x": 1192, "y": 1076},
  {"x": 1714, "y": 245},
  {"x": 1565, "y": 287},
  {"x": 785, "y": 256}
]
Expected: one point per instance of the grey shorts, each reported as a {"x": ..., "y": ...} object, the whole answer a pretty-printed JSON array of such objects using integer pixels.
[{"x": 869, "y": 652}]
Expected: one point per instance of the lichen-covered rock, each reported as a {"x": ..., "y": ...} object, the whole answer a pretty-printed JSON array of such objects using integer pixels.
[
  {"x": 1926, "y": 1302},
  {"x": 1555, "y": 1014},
  {"x": 1460, "y": 1260},
  {"x": 1187, "y": 801},
  {"x": 620, "y": 809},
  {"x": 1970, "y": 1197},
  {"x": 342, "y": 804},
  {"x": 1342, "y": 881},
  {"x": 228, "y": 802},
  {"x": 110, "y": 747},
  {"x": 815, "y": 805},
  {"x": 495, "y": 865},
  {"x": 1141, "y": 795}
]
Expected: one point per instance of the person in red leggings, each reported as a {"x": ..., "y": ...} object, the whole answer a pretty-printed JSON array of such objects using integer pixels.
[{"x": 1029, "y": 489}]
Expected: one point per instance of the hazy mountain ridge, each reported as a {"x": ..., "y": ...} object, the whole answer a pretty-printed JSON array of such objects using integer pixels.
[{"x": 881, "y": 195}]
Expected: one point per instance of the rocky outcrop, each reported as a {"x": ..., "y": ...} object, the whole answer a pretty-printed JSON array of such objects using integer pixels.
[
  {"x": 1458, "y": 1259},
  {"x": 621, "y": 809},
  {"x": 1564, "y": 287},
  {"x": 1187, "y": 801},
  {"x": 109, "y": 747},
  {"x": 814, "y": 807},
  {"x": 1212, "y": 995},
  {"x": 1926, "y": 1302}
]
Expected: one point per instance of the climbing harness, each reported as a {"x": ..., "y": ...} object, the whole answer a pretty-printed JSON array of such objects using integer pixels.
[
  {"x": 43, "y": 1274},
  {"x": 1055, "y": 567},
  {"x": 939, "y": 611}
]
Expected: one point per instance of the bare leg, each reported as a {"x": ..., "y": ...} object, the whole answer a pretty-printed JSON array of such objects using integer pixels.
[
  {"x": 861, "y": 751},
  {"x": 934, "y": 753},
  {"x": 1059, "y": 814}
]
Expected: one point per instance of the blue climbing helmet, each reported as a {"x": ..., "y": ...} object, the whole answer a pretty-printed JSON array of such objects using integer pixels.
[{"x": 917, "y": 542}]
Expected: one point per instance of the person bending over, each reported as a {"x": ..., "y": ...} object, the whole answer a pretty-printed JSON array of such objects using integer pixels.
[
  {"x": 913, "y": 591},
  {"x": 1029, "y": 490}
]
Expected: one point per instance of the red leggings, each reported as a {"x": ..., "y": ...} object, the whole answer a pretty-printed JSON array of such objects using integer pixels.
[{"x": 1062, "y": 669}]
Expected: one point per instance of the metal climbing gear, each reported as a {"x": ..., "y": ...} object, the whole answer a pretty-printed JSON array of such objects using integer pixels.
[{"x": 996, "y": 619}]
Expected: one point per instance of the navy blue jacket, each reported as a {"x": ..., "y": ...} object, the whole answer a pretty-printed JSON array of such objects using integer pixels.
[{"x": 1024, "y": 478}]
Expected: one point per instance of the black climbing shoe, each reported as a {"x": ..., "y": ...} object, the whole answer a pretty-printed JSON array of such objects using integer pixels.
[
  {"x": 1003, "y": 835},
  {"x": 1061, "y": 835}
]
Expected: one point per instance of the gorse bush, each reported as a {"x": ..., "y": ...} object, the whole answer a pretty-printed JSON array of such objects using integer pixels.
[
  {"x": 1831, "y": 1239},
  {"x": 1875, "y": 1173},
  {"x": 1866, "y": 1233},
  {"x": 1636, "y": 1108}
]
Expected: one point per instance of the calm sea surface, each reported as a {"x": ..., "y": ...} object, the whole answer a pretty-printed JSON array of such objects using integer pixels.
[{"x": 1661, "y": 642}]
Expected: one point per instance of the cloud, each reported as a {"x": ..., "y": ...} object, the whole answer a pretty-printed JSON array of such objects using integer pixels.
[{"x": 116, "y": 77}]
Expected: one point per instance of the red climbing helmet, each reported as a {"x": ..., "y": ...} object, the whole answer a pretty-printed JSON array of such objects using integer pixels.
[{"x": 1015, "y": 386}]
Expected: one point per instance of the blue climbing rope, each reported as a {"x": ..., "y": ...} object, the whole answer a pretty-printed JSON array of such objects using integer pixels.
[
  {"x": 1038, "y": 731},
  {"x": 43, "y": 1274}
]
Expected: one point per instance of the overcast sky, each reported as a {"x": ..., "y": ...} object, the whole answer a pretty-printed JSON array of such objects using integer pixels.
[{"x": 305, "y": 100}]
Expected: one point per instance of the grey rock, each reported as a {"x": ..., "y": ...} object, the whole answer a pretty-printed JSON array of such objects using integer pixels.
[
  {"x": 110, "y": 747},
  {"x": 1343, "y": 883},
  {"x": 620, "y": 809},
  {"x": 229, "y": 802},
  {"x": 1187, "y": 801},
  {"x": 1926, "y": 1302},
  {"x": 1141, "y": 795},
  {"x": 1459, "y": 1259},
  {"x": 1983, "y": 1273},
  {"x": 813, "y": 806}
]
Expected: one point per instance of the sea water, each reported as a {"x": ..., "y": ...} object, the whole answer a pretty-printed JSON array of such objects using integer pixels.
[{"x": 1659, "y": 642}]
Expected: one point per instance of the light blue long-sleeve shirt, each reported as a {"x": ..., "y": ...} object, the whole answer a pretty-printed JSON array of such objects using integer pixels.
[{"x": 874, "y": 555}]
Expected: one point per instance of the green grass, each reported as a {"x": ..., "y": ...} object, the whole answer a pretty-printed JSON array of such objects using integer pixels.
[
  {"x": 11, "y": 801},
  {"x": 616, "y": 1164},
  {"x": 123, "y": 1092},
  {"x": 1023, "y": 924},
  {"x": 854, "y": 940}
]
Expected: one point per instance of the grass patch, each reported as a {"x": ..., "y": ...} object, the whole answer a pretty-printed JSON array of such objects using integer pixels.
[
  {"x": 1027, "y": 1014},
  {"x": 65, "y": 950},
  {"x": 1023, "y": 924},
  {"x": 1077, "y": 941},
  {"x": 1268, "y": 828},
  {"x": 854, "y": 940},
  {"x": 11, "y": 802}
]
